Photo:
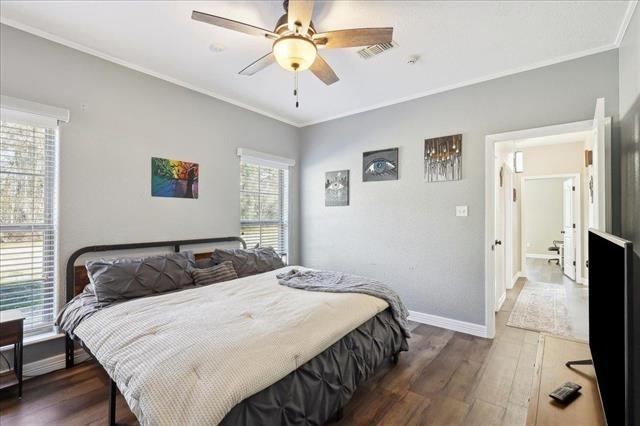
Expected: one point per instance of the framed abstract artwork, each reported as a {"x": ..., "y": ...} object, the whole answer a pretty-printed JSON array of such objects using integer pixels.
[
  {"x": 336, "y": 188},
  {"x": 443, "y": 158},
  {"x": 174, "y": 178},
  {"x": 380, "y": 165}
]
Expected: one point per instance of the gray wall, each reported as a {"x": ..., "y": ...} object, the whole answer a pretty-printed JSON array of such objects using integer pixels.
[
  {"x": 105, "y": 152},
  {"x": 406, "y": 232},
  {"x": 630, "y": 131},
  {"x": 630, "y": 162}
]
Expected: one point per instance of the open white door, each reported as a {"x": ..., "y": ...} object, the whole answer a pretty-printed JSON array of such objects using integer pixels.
[
  {"x": 596, "y": 173},
  {"x": 499, "y": 236},
  {"x": 568, "y": 229}
]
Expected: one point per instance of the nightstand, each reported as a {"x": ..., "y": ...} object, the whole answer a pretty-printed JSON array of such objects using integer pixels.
[{"x": 11, "y": 333}]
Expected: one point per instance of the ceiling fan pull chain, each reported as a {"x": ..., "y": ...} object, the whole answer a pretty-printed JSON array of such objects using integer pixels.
[{"x": 295, "y": 87}]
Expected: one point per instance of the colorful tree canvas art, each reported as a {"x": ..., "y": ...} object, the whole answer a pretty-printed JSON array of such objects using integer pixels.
[{"x": 174, "y": 178}]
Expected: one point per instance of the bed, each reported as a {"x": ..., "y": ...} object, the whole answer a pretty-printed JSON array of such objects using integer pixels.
[{"x": 246, "y": 351}]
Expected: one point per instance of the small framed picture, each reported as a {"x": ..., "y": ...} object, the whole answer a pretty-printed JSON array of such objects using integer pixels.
[
  {"x": 380, "y": 165},
  {"x": 336, "y": 188}
]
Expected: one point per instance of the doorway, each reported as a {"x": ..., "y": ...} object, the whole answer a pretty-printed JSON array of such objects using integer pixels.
[
  {"x": 551, "y": 221},
  {"x": 497, "y": 260}
]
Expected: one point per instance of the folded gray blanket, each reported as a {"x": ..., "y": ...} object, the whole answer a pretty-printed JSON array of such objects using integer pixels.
[{"x": 338, "y": 282}]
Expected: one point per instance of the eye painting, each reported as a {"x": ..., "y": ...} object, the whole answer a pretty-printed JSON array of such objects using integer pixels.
[
  {"x": 380, "y": 165},
  {"x": 336, "y": 188}
]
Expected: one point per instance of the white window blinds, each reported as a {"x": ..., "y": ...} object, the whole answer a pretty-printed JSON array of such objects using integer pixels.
[
  {"x": 264, "y": 206},
  {"x": 27, "y": 219}
]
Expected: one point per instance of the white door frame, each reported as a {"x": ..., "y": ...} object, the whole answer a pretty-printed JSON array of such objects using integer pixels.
[
  {"x": 489, "y": 206},
  {"x": 577, "y": 217},
  {"x": 508, "y": 237}
]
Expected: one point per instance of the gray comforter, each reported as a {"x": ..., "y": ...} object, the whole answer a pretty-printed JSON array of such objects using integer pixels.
[
  {"x": 338, "y": 282},
  {"x": 80, "y": 307}
]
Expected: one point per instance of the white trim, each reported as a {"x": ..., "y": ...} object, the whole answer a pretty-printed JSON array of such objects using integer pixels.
[
  {"x": 515, "y": 278},
  {"x": 448, "y": 323},
  {"x": 106, "y": 57},
  {"x": 465, "y": 83},
  {"x": 264, "y": 159},
  {"x": 542, "y": 256},
  {"x": 501, "y": 301},
  {"x": 489, "y": 206},
  {"x": 93, "y": 52},
  {"x": 553, "y": 176},
  {"x": 47, "y": 365},
  {"x": 537, "y": 132},
  {"x": 631, "y": 7},
  {"x": 489, "y": 234},
  {"x": 29, "y": 108},
  {"x": 585, "y": 282}
]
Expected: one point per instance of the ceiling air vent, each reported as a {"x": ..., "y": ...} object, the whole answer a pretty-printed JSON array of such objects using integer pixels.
[{"x": 376, "y": 49}]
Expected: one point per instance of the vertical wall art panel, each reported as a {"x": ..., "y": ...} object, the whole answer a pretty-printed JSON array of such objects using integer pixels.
[
  {"x": 380, "y": 165},
  {"x": 336, "y": 188},
  {"x": 174, "y": 178},
  {"x": 443, "y": 158}
]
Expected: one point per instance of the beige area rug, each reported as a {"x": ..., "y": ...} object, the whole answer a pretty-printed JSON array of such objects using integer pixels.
[{"x": 542, "y": 307}]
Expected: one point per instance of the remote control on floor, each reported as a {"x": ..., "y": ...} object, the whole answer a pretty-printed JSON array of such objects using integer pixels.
[{"x": 566, "y": 393}]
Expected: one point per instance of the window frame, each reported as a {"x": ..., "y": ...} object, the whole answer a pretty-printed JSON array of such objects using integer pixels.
[
  {"x": 283, "y": 194},
  {"x": 40, "y": 120}
]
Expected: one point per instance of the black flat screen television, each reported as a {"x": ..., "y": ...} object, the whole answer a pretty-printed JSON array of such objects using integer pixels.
[{"x": 613, "y": 326}]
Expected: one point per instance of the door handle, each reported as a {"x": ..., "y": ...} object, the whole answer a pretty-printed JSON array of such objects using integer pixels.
[
  {"x": 498, "y": 242},
  {"x": 562, "y": 232}
]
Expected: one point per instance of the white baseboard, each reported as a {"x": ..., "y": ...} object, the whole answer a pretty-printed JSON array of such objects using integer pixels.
[
  {"x": 47, "y": 365},
  {"x": 542, "y": 256},
  {"x": 515, "y": 278},
  {"x": 448, "y": 323},
  {"x": 584, "y": 281},
  {"x": 501, "y": 301}
]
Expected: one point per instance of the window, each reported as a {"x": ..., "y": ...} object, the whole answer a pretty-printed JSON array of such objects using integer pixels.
[
  {"x": 27, "y": 219},
  {"x": 518, "y": 162},
  {"x": 264, "y": 206}
]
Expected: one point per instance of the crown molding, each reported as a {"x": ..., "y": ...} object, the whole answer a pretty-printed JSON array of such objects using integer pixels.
[
  {"x": 470, "y": 82},
  {"x": 77, "y": 46},
  {"x": 631, "y": 7},
  {"x": 106, "y": 57}
]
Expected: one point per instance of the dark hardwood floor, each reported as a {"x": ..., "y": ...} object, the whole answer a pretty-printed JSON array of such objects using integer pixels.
[{"x": 446, "y": 378}]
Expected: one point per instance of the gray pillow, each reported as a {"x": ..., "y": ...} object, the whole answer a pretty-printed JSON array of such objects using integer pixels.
[
  {"x": 127, "y": 278},
  {"x": 215, "y": 274},
  {"x": 204, "y": 263},
  {"x": 249, "y": 262}
]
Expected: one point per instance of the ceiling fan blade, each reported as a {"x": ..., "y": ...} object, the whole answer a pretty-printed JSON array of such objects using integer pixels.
[
  {"x": 299, "y": 15},
  {"x": 232, "y": 25},
  {"x": 354, "y": 37},
  {"x": 261, "y": 63},
  {"x": 321, "y": 69}
]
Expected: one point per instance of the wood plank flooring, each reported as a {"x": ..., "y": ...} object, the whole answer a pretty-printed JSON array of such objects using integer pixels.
[{"x": 446, "y": 378}]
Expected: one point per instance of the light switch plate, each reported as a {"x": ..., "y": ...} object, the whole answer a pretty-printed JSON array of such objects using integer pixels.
[{"x": 462, "y": 211}]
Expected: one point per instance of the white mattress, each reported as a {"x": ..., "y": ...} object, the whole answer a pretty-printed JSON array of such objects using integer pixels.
[{"x": 189, "y": 357}]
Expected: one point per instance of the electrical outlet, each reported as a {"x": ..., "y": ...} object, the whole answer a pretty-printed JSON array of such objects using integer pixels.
[{"x": 461, "y": 211}]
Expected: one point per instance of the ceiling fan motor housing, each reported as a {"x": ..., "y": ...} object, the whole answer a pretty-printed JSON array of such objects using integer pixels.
[{"x": 282, "y": 26}]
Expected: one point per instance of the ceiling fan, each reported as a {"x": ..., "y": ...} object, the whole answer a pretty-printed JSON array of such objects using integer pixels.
[{"x": 296, "y": 41}]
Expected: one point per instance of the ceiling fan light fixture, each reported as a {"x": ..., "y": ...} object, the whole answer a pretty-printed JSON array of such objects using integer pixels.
[{"x": 294, "y": 52}]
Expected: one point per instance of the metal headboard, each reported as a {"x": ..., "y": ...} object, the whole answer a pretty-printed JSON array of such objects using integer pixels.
[{"x": 71, "y": 276}]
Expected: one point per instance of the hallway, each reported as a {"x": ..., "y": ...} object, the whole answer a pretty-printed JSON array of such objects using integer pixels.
[{"x": 577, "y": 295}]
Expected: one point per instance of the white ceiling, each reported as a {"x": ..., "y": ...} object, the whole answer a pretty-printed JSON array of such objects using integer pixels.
[{"x": 459, "y": 43}]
